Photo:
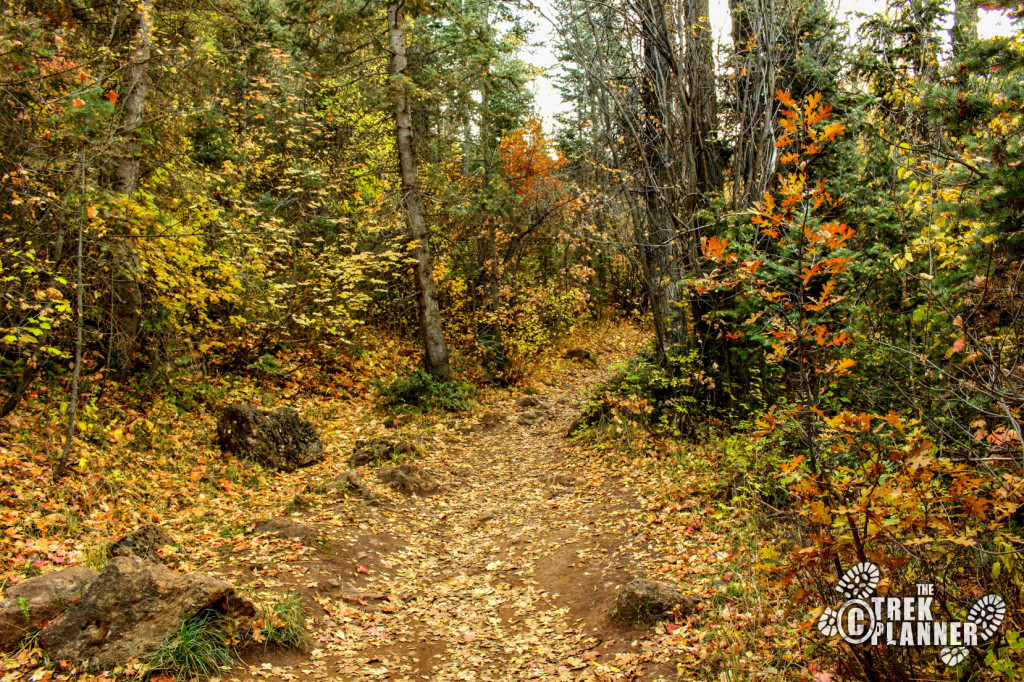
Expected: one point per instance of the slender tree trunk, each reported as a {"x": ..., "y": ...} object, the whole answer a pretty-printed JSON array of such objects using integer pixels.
[
  {"x": 662, "y": 253},
  {"x": 127, "y": 303},
  {"x": 435, "y": 351},
  {"x": 700, "y": 66},
  {"x": 69, "y": 435},
  {"x": 135, "y": 99}
]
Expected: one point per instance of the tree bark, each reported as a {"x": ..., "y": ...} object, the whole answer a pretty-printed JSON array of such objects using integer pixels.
[
  {"x": 435, "y": 351},
  {"x": 700, "y": 66},
  {"x": 662, "y": 253},
  {"x": 128, "y": 169},
  {"x": 127, "y": 295}
]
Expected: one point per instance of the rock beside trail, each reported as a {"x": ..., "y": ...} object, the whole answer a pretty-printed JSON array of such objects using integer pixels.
[
  {"x": 559, "y": 479},
  {"x": 580, "y": 354},
  {"x": 528, "y": 401},
  {"x": 144, "y": 543},
  {"x": 411, "y": 479},
  {"x": 29, "y": 604},
  {"x": 642, "y": 602},
  {"x": 351, "y": 482},
  {"x": 531, "y": 417},
  {"x": 283, "y": 528},
  {"x": 376, "y": 450},
  {"x": 131, "y": 608},
  {"x": 492, "y": 419},
  {"x": 278, "y": 439}
]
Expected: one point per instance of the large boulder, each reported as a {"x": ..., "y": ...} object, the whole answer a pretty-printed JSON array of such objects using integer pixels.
[
  {"x": 131, "y": 608},
  {"x": 277, "y": 439},
  {"x": 411, "y": 479},
  {"x": 642, "y": 602},
  {"x": 30, "y": 604},
  {"x": 144, "y": 543}
]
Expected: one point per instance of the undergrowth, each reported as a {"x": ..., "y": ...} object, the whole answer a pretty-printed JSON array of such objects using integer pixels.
[
  {"x": 284, "y": 624},
  {"x": 198, "y": 649},
  {"x": 420, "y": 392}
]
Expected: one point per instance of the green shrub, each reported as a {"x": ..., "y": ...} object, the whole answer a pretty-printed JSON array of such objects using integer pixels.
[{"x": 421, "y": 392}]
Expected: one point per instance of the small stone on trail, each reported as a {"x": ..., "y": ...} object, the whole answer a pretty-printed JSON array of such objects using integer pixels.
[
  {"x": 560, "y": 479},
  {"x": 377, "y": 450},
  {"x": 143, "y": 543},
  {"x": 284, "y": 528},
  {"x": 351, "y": 481},
  {"x": 492, "y": 419},
  {"x": 643, "y": 601},
  {"x": 580, "y": 354},
  {"x": 528, "y": 401},
  {"x": 31, "y": 603},
  {"x": 411, "y": 479}
]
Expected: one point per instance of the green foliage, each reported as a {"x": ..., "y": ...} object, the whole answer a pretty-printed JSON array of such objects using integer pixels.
[
  {"x": 198, "y": 649},
  {"x": 420, "y": 392}
]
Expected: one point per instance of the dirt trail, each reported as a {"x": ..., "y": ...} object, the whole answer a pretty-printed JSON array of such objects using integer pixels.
[{"x": 505, "y": 575}]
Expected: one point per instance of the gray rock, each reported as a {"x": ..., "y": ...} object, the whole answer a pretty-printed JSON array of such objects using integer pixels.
[
  {"x": 131, "y": 608},
  {"x": 29, "y": 604},
  {"x": 143, "y": 543},
  {"x": 580, "y": 354},
  {"x": 283, "y": 528},
  {"x": 492, "y": 420},
  {"x": 642, "y": 602},
  {"x": 376, "y": 450},
  {"x": 277, "y": 439},
  {"x": 411, "y": 479},
  {"x": 528, "y": 401},
  {"x": 351, "y": 482}
]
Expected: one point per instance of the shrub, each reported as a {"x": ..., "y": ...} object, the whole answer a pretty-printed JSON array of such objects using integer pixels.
[{"x": 421, "y": 392}]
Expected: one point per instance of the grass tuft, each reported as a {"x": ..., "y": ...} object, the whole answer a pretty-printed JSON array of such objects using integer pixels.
[
  {"x": 198, "y": 649},
  {"x": 285, "y": 624}
]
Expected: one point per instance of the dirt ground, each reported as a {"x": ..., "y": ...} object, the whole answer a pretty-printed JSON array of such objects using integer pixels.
[{"x": 508, "y": 573}]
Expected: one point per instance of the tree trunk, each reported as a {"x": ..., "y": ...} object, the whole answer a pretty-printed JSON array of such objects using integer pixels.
[
  {"x": 700, "y": 66},
  {"x": 135, "y": 99},
  {"x": 662, "y": 253},
  {"x": 435, "y": 352},
  {"x": 127, "y": 295}
]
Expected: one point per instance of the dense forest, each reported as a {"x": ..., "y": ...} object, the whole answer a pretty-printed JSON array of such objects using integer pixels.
[{"x": 797, "y": 248}]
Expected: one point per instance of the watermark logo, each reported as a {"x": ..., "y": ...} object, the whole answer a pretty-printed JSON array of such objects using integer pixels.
[{"x": 906, "y": 621}]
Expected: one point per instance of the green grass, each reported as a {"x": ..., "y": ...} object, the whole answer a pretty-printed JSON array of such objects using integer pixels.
[
  {"x": 285, "y": 624},
  {"x": 198, "y": 649},
  {"x": 97, "y": 556}
]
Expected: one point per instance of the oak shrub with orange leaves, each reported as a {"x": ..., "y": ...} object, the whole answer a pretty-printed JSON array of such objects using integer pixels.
[{"x": 835, "y": 481}]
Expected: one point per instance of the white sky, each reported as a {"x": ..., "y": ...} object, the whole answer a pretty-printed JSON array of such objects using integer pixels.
[{"x": 549, "y": 102}]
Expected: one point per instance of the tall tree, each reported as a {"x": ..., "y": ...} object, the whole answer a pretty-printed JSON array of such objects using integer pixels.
[{"x": 435, "y": 351}]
